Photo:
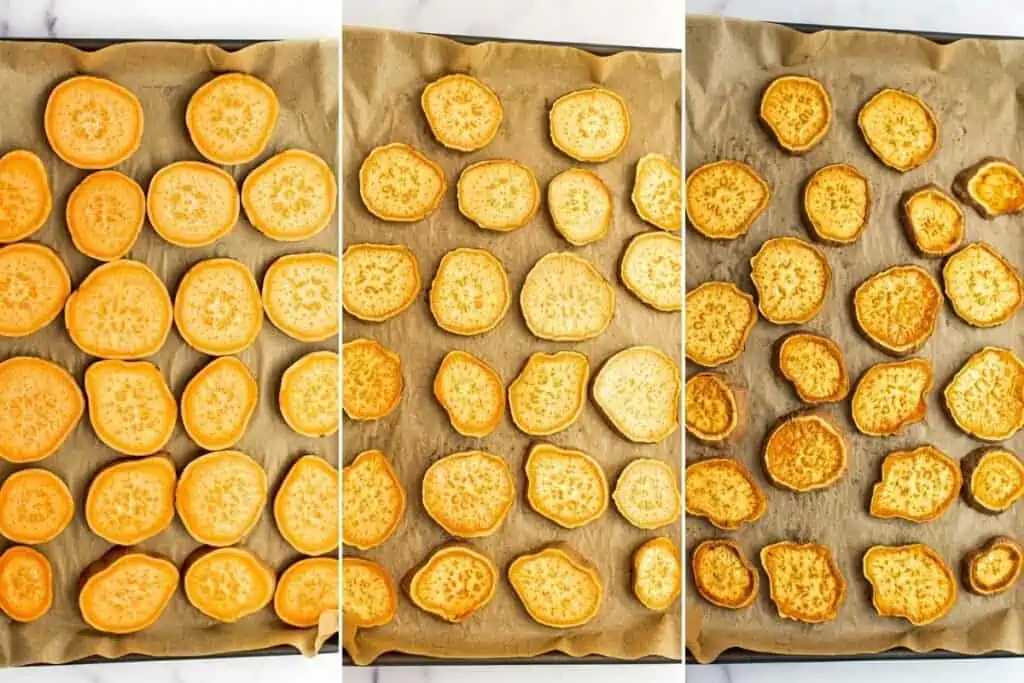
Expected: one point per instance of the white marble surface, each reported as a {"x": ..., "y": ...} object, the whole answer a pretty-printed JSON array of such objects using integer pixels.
[{"x": 985, "y": 17}]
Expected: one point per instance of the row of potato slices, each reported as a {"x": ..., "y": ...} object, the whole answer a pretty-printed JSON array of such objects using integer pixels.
[
  {"x": 225, "y": 584},
  {"x": 911, "y": 581},
  {"x": 188, "y": 203},
  {"x": 398, "y": 183},
  {"x": 133, "y": 411},
  {"x": 983, "y": 288},
  {"x": 382, "y": 280},
  {"x": 374, "y": 502},
  {"x": 36, "y": 506},
  {"x": 218, "y": 307},
  {"x": 93, "y": 123},
  {"x": 637, "y": 390},
  {"x": 457, "y": 581},
  {"x": 646, "y": 493}
]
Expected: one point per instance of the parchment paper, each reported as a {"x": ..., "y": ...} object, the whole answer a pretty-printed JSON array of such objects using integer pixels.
[
  {"x": 164, "y": 75},
  {"x": 384, "y": 74},
  {"x": 972, "y": 87}
]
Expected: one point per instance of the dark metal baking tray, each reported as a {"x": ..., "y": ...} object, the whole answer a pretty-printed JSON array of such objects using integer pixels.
[
  {"x": 554, "y": 657},
  {"x": 332, "y": 645},
  {"x": 741, "y": 656}
]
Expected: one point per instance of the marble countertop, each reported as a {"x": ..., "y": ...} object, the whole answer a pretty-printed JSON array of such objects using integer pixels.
[{"x": 982, "y": 17}]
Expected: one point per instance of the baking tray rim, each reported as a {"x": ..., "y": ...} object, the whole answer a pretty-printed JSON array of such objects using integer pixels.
[
  {"x": 736, "y": 655},
  {"x": 553, "y": 657}
]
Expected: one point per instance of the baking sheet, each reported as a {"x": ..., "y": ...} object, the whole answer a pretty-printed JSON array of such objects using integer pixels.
[
  {"x": 164, "y": 75},
  {"x": 384, "y": 74},
  {"x": 971, "y": 85}
]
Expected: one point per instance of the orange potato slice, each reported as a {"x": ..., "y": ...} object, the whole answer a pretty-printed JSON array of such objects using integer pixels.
[
  {"x": 306, "y": 590},
  {"x": 126, "y": 591},
  {"x": 218, "y": 309},
  {"x": 131, "y": 408},
  {"x": 192, "y": 203},
  {"x": 228, "y": 584},
  {"x": 35, "y": 506},
  {"x": 121, "y": 311},
  {"x": 220, "y": 497},
  {"x": 309, "y": 394},
  {"x": 300, "y": 295},
  {"x": 93, "y": 123},
  {"x": 218, "y": 403},
  {"x": 131, "y": 501},
  {"x": 306, "y": 506},
  {"x": 231, "y": 118},
  {"x": 104, "y": 214},
  {"x": 25, "y": 197},
  {"x": 26, "y": 583},
  {"x": 291, "y": 196},
  {"x": 40, "y": 405},
  {"x": 34, "y": 286}
]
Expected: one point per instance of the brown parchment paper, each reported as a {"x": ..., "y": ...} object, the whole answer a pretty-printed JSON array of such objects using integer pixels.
[
  {"x": 383, "y": 76},
  {"x": 164, "y": 75},
  {"x": 972, "y": 86}
]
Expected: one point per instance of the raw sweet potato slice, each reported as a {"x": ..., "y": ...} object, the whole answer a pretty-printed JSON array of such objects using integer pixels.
[
  {"x": 35, "y": 506},
  {"x": 217, "y": 308},
  {"x": 104, "y": 215},
  {"x": 34, "y": 286},
  {"x": 40, "y": 405},
  {"x": 291, "y": 196},
  {"x": 220, "y": 497},
  {"x": 24, "y": 195},
  {"x": 131, "y": 408},
  {"x": 309, "y": 394},
  {"x": 92, "y": 122},
  {"x": 121, "y": 310},
  {"x": 231, "y": 118},
  {"x": 306, "y": 506},
  {"x": 228, "y": 584},
  {"x": 218, "y": 403},
  {"x": 126, "y": 591},
  {"x": 306, "y": 590},
  {"x": 132, "y": 500},
  {"x": 26, "y": 583}
]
